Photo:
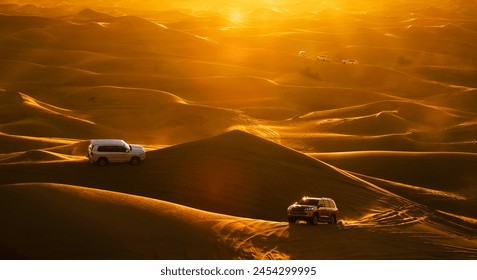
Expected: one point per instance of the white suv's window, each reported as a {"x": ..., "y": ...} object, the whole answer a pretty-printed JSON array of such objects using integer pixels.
[
  {"x": 103, "y": 149},
  {"x": 114, "y": 149}
]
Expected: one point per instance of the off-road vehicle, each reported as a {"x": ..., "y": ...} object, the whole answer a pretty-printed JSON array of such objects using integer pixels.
[
  {"x": 349, "y": 61},
  {"x": 313, "y": 210},
  {"x": 104, "y": 151},
  {"x": 323, "y": 58}
]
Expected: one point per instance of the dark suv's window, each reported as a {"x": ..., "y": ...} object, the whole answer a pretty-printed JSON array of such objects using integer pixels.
[{"x": 327, "y": 204}]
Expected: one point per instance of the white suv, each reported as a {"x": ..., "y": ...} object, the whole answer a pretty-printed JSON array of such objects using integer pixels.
[
  {"x": 103, "y": 151},
  {"x": 349, "y": 61},
  {"x": 323, "y": 58}
]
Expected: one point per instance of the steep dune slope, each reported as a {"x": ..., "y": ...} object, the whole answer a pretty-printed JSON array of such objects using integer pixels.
[
  {"x": 256, "y": 177},
  {"x": 68, "y": 222}
]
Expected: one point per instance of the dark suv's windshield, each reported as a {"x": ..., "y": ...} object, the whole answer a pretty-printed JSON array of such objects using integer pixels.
[{"x": 311, "y": 202}]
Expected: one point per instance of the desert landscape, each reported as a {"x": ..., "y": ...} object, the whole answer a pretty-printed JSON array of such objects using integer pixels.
[{"x": 240, "y": 119}]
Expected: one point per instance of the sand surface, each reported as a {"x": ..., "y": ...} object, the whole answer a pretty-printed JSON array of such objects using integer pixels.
[{"x": 238, "y": 124}]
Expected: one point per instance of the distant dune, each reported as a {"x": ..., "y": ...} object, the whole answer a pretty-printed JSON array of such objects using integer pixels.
[{"x": 240, "y": 118}]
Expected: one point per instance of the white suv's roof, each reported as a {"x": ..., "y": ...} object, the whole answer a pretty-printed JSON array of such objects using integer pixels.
[
  {"x": 97, "y": 142},
  {"x": 317, "y": 198}
]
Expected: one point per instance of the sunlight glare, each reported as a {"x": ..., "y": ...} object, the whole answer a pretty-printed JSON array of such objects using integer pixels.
[{"x": 236, "y": 15}]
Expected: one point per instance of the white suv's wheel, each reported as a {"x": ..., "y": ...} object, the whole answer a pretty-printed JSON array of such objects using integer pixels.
[
  {"x": 135, "y": 161},
  {"x": 102, "y": 161}
]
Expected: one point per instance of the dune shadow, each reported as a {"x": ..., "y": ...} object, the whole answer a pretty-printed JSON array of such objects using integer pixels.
[{"x": 10, "y": 254}]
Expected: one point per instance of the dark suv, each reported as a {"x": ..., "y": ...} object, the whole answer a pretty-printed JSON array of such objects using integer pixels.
[{"x": 313, "y": 210}]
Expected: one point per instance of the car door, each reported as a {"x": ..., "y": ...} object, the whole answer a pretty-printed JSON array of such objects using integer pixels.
[
  {"x": 121, "y": 154},
  {"x": 326, "y": 211},
  {"x": 111, "y": 153},
  {"x": 107, "y": 152}
]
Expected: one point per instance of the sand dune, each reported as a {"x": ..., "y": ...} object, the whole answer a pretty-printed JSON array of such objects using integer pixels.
[
  {"x": 244, "y": 176},
  {"x": 460, "y": 100},
  {"x": 453, "y": 76},
  {"x": 386, "y": 125},
  {"x": 15, "y": 143},
  {"x": 34, "y": 156},
  {"x": 445, "y": 179},
  {"x": 87, "y": 15},
  {"x": 411, "y": 120},
  {"x": 235, "y": 173},
  {"x": 117, "y": 226},
  {"x": 238, "y": 123},
  {"x": 23, "y": 115},
  {"x": 13, "y": 24}
]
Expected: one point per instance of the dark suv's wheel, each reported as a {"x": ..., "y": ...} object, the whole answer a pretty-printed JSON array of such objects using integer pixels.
[
  {"x": 332, "y": 220},
  {"x": 102, "y": 161},
  {"x": 313, "y": 220},
  {"x": 135, "y": 161},
  {"x": 291, "y": 220}
]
